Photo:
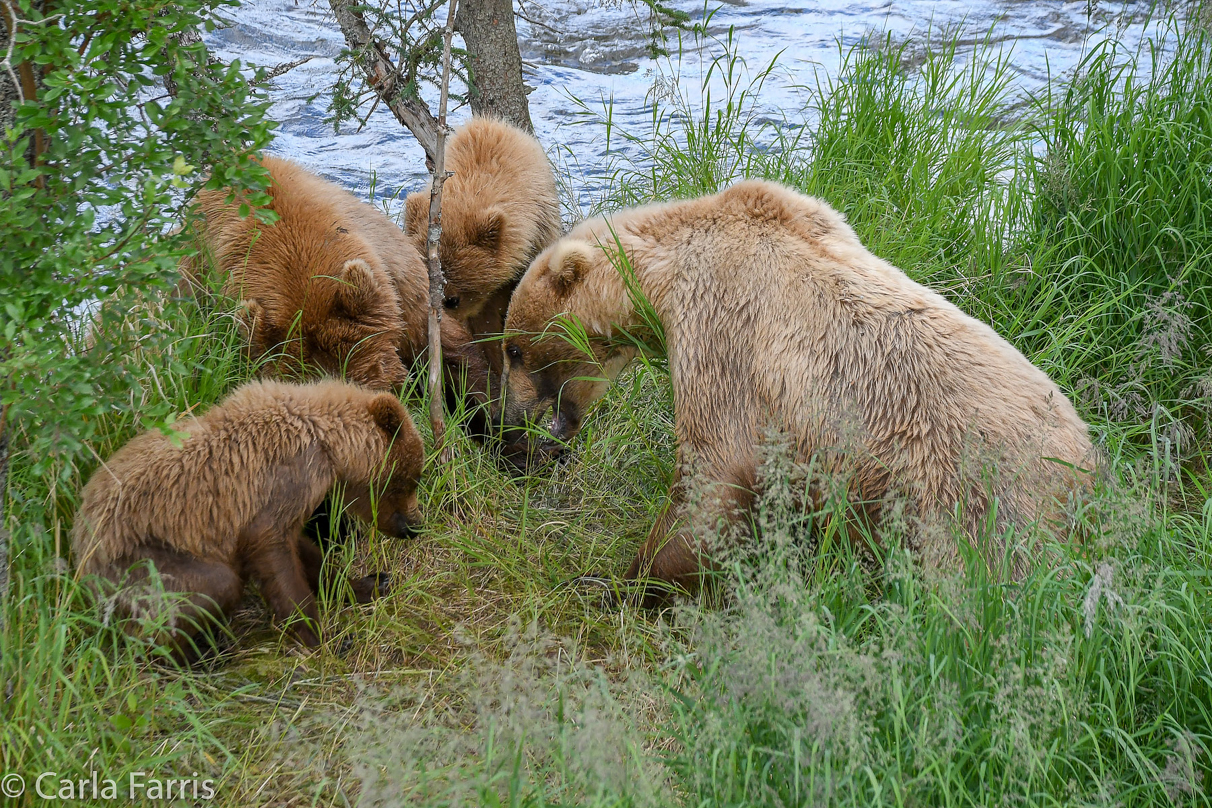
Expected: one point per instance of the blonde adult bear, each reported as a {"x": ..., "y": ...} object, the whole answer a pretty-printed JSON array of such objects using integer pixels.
[
  {"x": 227, "y": 499},
  {"x": 775, "y": 316}
]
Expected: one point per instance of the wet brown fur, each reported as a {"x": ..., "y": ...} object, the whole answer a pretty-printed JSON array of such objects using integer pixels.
[
  {"x": 227, "y": 500},
  {"x": 776, "y": 317}
]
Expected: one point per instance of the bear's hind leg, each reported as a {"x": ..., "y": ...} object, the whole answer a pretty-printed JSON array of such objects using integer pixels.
[{"x": 212, "y": 590}]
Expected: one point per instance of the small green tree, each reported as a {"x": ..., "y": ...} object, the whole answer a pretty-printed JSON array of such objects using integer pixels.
[{"x": 98, "y": 162}]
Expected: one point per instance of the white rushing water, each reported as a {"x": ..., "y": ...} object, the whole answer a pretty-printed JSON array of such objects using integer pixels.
[{"x": 597, "y": 51}]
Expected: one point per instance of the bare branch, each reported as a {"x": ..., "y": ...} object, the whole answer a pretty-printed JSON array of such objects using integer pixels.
[
  {"x": 384, "y": 78},
  {"x": 283, "y": 68},
  {"x": 437, "y": 283}
]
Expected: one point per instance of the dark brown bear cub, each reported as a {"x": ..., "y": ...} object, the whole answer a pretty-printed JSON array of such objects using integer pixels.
[{"x": 227, "y": 500}]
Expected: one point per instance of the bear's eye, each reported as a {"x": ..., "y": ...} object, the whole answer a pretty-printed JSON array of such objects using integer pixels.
[
  {"x": 451, "y": 302},
  {"x": 514, "y": 353}
]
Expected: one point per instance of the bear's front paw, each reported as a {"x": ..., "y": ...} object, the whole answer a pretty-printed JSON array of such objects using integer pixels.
[
  {"x": 647, "y": 593},
  {"x": 372, "y": 586}
]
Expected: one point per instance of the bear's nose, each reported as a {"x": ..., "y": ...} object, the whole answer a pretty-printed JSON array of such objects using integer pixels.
[
  {"x": 564, "y": 425},
  {"x": 401, "y": 528}
]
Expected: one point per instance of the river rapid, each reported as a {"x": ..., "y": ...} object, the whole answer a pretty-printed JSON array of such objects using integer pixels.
[{"x": 594, "y": 55}]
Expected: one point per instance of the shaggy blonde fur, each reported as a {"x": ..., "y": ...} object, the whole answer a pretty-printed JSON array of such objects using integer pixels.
[
  {"x": 776, "y": 317},
  {"x": 227, "y": 496},
  {"x": 499, "y": 209}
]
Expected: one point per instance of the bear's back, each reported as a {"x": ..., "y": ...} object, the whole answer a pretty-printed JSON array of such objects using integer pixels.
[
  {"x": 319, "y": 228},
  {"x": 510, "y": 169},
  {"x": 397, "y": 255},
  {"x": 773, "y": 298},
  {"x": 277, "y": 259},
  {"x": 195, "y": 489},
  {"x": 494, "y": 164}
]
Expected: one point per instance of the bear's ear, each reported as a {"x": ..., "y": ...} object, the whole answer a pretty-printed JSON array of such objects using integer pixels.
[
  {"x": 262, "y": 334},
  {"x": 249, "y": 318},
  {"x": 569, "y": 264},
  {"x": 416, "y": 213},
  {"x": 357, "y": 286},
  {"x": 489, "y": 227},
  {"x": 388, "y": 413}
]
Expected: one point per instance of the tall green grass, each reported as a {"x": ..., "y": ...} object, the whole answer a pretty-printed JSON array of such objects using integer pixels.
[
  {"x": 1087, "y": 683},
  {"x": 1076, "y": 224}
]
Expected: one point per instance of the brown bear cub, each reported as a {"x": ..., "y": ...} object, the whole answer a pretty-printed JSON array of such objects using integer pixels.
[
  {"x": 777, "y": 318},
  {"x": 332, "y": 282},
  {"x": 499, "y": 210},
  {"x": 227, "y": 500}
]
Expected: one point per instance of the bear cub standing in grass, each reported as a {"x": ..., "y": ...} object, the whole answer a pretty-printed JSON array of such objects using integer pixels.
[
  {"x": 776, "y": 317},
  {"x": 499, "y": 210},
  {"x": 228, "y": 500}
]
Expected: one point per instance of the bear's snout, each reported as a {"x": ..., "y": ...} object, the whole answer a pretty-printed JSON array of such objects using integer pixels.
[
  {"x": 517, "y": 413},
  {"x": 566, "y": 422},
  {"x": 404, "y": 526}
]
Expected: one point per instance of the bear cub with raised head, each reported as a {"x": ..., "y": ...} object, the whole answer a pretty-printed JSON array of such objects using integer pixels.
[
  {"x": 499, "y": 210},
  {"x": 777, "y": 318},
  {"x": 226, "y": 500}
]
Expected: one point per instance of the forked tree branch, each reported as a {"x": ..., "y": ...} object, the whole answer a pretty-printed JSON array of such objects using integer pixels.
[{"x": 384, "y": 78}]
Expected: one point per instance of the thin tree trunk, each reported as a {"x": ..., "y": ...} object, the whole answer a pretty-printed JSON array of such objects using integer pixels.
[
  {"x": 383, "y": 77},
  {"x": 437, "y": 283},
  {"x": 18, "y": 82},
  {"x": 494, "y": 62},
  {"x": 10, "y": 83}
]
